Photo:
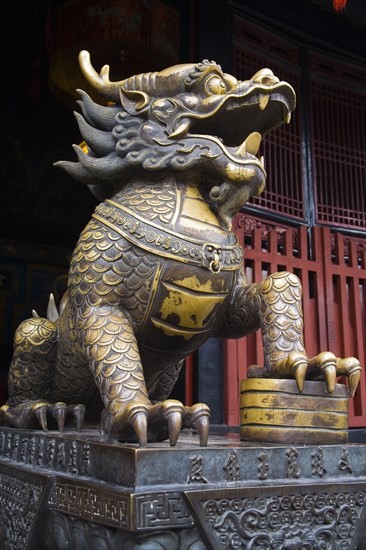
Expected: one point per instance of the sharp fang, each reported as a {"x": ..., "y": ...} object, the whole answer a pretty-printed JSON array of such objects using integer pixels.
[
  {"x": 241, "y": 151},
  {"x": 261, "y": 160},
  {"x": 250, "y": 145},
  {"x": 263, "y": 102},
  {"x": 253, "y": 142},
  {"x": 288, "y": 118}
]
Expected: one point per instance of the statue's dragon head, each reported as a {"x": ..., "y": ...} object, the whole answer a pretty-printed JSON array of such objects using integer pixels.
[{"x": 191, "y": 120}]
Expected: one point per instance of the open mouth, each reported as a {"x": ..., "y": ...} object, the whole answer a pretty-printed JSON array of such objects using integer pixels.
[{"x": 251, "y": 116}]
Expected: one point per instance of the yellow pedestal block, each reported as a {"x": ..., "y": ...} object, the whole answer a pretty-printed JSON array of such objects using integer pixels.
[{"x": 273, "y": 411}]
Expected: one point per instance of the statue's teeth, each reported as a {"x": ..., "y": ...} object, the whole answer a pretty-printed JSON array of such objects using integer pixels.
[
  {"x": 253, "y": 142},
  {"x": 242, "y": 149},
  {"x": 250, "y": 145},
  {"x": 288, "y": 118},
  {"x": 263, "y": 102}
]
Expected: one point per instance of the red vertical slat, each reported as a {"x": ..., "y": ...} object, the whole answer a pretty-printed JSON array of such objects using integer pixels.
[
  {"x": 334, "y": 316},
  {"x": 342, "y": 295},
  {"x": 273, "y": 251},
  {"x": 358, "y": 405},
  {"x": 323, "y": 253},
  {"x": 259, "y": 355},
  {"x": 231, "y": 383},
  {"x": 189, "y": 380},
  {"x": 323, "y": 281},
  {"x": 304, "y": 275}
]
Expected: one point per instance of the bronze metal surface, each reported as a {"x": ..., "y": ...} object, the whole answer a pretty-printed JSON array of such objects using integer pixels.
[
  {"x": 84, "y": 490},
  {"x": 172, "y": 156},
  {"x": 273, "y": 411}
]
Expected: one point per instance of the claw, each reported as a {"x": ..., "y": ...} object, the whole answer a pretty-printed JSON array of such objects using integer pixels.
[
  {"x": 4, "y": 412},
  {"x": 299, "y": 371},
  {"x": 174, "y": 420},
  {"x": 326, "y": 361},
  {"x": 137, "y": 417},
  {"x": 203, "y": 424},
  {"x": 173, "y": 412},
  {"x": 41, "y": 415},
  {"x": 353, "y": 380},
  {"x": 350, "y": 367},
  {"x": 330, "y": 374},
  {"x": 59, "y": 412},
  {"x": 294, "y": 364},
  {"x": 200, "y": 417},
  {"x": 79, "y": 413},
  {"x": 254, "y": 371}
]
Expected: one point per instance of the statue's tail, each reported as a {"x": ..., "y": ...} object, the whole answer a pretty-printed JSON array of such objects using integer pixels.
[{"x": 52, "y": 311}]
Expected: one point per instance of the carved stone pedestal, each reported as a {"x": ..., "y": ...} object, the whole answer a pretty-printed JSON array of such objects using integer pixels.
[{"x": 84, "y": 492}]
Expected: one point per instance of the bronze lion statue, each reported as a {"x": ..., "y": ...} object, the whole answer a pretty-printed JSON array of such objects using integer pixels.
[{"x": 172, "y": 156}]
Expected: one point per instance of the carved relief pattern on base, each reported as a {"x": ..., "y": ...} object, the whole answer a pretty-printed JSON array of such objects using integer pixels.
[
  {"x": 344, "y": 462},
  {"x": 162, "y": 509},
  {"x": 315, "y": 521},
  {"x": 52, "y": 453},
  {"x": 152, "y": 510},
  {"x": 94, "y": 504},
  {"x": 19, "y": 502},
  {"x": 79, "y": 457},
  {"x": 77, "y": 533}
]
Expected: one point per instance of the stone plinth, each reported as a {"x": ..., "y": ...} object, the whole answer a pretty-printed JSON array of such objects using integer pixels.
[{"x": 83, "y": 491}]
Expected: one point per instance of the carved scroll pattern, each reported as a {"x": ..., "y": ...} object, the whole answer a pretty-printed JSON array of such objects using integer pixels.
[
  {"x": 19, "y": 502},
  {"x": 318, "y": 521},
  {"x": 74, "y": 532}
]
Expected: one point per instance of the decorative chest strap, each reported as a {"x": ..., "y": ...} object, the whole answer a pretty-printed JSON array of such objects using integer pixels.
[{"x": 166, "y": 243}]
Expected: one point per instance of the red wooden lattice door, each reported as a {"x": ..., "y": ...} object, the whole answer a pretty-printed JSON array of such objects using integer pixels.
[
  {"x": 252, "y": 50},
  {"x": 338, "y": 122},
  {"x": 332, "y": 269}
]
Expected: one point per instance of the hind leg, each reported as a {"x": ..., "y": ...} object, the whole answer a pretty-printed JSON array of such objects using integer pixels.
[{"x": 30, "y": 377}]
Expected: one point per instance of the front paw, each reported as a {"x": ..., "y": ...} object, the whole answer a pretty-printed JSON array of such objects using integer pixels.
[
  {"x": 156, "y": 422},
  {"x": 325, "y": 366}
]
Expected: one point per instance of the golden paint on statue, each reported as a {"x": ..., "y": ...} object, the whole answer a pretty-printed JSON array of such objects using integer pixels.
[
  {"x": 274, "y": 411},
  {"x": 158, "y": 270}
]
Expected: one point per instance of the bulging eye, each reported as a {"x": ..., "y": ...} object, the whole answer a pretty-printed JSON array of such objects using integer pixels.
[{"x": 215, "y": 85}]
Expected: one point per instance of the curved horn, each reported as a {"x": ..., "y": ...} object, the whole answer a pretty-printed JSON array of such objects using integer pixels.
[
  {"x": 170, "y": 81},
  {"x": 100, "y": 82}
]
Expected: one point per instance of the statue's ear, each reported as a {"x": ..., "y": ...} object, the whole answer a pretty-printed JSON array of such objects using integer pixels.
[{"x": 134, "y": 102}]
